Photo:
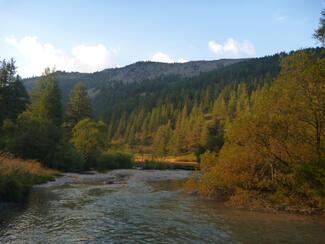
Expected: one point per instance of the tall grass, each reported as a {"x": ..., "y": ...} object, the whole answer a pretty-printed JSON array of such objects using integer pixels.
[{"x": 17, "y": 177}]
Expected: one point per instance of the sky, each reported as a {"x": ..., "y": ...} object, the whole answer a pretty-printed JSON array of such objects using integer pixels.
[{"x": 91, "y": 35}]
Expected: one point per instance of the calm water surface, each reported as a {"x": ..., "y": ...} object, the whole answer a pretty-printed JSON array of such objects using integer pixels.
[{"x": 156, "y": 212}]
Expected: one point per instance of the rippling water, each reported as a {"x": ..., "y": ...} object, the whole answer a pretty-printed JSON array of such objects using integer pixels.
[{"x": 146, "y": 213}]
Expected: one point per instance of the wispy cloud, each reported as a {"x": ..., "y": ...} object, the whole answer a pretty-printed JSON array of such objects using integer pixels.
[
  {"x": 280, "y": 15},
  {"x": 280, "y": 18},
  {"x": 164, "y": 58},
  {"x": 37, "y": 56},
  {"x": 232, "y": 48}
]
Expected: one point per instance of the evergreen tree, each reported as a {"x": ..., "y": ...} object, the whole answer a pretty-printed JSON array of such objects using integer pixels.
[
  {"x": 38, "y": 131},
  {"x": 320, "y": 31},
  {"x": 13, "y": 96},
  {"x": 79, "y": 106},
  {"x": 46, "y": 99},
  {"x": 161, "y": 139}
]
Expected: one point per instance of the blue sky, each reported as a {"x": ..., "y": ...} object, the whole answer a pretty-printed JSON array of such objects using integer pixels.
[{"x": 92, "y": 35}]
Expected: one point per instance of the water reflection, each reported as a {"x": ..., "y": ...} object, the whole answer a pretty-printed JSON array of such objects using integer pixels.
[{"x": 146, "y": 213}]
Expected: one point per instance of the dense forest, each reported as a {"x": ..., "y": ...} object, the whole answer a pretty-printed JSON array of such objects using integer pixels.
[{"x": 256, "y": 126}]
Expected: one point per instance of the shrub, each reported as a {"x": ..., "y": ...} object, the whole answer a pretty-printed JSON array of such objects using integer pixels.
[
  {"x": 159, "y": 165},
  {"x": 16, "y": 186},
  {"x": 89, "y": 138},
  {"x": 208, "y": 160},
  {"x": 65, "y": 157},
  {"x": 33, "y": 138},
  {"x": 18, "y": 176},
  {"x": 115, "y": 160}
]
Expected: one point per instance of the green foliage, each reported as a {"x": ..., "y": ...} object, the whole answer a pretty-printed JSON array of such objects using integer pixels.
[
  {"x": 13, "y": 96},
  {"x": 17, "y": 177},
  {"x": 34, "y": 138},
  {"x": 320, "y": 31},
  {"x": 46, "y": 99},
  {"x": 310, "y": 180},
  {"x": 257, "y": 131},
  {"x": 161, "y": 139},
  {"x": 174, "y": 115},
  {"x": 89, "y": 138},
  {"x": 15, "y": 187},
  {"x": 157, "y": 165},
  {"x": 37, "y": 133},
  {"x": 116, "y": 160},
  {"x": 79, "y": 106},
  {"x": 65, "y": 157}
]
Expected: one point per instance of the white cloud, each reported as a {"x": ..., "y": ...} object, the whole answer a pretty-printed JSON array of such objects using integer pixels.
[
  {"x": 181, "y": 60},
  {"x": 232, "y": 48},
  {"x": 37, "y": 56},
  {"x": 164, "y": 58},
  {"x": 279, "y": 15},
  {"x": 280, "y": 18},
  {"x": 161, "y": 57}
]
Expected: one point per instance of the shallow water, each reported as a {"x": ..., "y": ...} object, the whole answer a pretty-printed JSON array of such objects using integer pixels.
[{"x": 145, "y": 212}]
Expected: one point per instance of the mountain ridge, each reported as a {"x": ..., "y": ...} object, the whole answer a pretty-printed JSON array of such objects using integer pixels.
[{"x": 139, "y": 71}]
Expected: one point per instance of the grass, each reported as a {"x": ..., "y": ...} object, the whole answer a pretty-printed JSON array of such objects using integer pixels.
[
  {"x": 148, "y": 161},
  {"x": 17, "y": 177},
  {"x": 185, "y": 158}
]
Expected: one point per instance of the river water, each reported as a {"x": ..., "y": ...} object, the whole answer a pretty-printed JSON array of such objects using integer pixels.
[{"x": 134, "y": 206}]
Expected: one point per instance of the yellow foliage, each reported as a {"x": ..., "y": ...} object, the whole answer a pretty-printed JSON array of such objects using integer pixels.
[
  {"x": 9, "y": 164},
  {"x": 277, "y": 143}
]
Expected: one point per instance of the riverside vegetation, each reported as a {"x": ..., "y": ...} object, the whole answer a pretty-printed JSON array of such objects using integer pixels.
[
  {"x": 17, "y": 177},
  {"x": 256, "y": 126}
]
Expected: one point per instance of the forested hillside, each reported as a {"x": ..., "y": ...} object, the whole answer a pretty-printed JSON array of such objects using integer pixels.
[
  {"x": 173, "y": 115},
  {"x": 136, "y": 72},
  {"x": 273, "y": 152},
  {"x": 135, "y": 107},
  {"x": 255, "y": 126}
]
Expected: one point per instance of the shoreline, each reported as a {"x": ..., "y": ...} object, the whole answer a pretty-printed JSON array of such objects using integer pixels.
[{"x": 138, "y": 177}]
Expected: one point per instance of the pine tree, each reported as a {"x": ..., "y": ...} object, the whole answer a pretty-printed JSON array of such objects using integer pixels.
[
  {"x": 13, "y": 96},
  {"x": 242, "y": 99},
  {"x": 46, "y": 100},
  {"x": 220, "y": 112},
  {"x": 320, "y": 31},
  {"x": 79, "y": 106},
  {"x": 161, "y": 139}
]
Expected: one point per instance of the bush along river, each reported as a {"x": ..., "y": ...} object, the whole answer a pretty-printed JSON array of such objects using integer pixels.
[{"x": 139, "y": 206}]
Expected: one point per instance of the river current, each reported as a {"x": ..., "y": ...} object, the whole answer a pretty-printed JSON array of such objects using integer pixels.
[{"x": 135, "y": 206}]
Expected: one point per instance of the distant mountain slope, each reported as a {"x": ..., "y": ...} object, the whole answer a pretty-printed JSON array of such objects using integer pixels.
[{"x": 137, "y": 72}]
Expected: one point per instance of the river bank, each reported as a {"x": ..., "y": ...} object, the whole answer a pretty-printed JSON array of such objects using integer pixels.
[{"x": 139, "y": 177}]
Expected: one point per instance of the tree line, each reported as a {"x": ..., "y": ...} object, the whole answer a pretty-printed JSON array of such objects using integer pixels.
[{"x": 39, "y": 127}]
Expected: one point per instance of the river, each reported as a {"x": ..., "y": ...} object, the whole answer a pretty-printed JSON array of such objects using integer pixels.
[{"x": 137, "y": 206}]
